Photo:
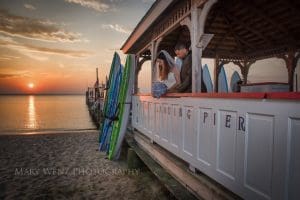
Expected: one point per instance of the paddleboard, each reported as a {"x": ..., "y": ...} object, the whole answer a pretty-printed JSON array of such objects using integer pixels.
[
  {"x": 235, "y": 78},
  {"x": 124, "y": 102},
  {"x": 222, "y": 84},
  {"x": 112, "y": 104},
  {"x": 207, "y": 79},
  {"x": 115, "y": 62}
]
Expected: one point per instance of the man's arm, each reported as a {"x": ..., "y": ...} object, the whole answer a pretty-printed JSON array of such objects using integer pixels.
[{"x": 185, "y": 84}]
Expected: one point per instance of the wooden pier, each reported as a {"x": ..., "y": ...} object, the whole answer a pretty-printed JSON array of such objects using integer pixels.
[{"x": 246, "y": 142}]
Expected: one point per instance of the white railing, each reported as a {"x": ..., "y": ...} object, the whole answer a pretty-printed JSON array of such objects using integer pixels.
[{"x": 251, "y": 146}]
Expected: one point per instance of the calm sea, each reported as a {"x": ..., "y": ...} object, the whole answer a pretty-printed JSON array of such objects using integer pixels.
[{"x": 38, "y": 113}]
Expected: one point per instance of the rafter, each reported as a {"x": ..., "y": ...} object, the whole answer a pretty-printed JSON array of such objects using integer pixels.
[
  {"x": 246, "y": 26},
  {"x": 238, "y": 39},
  {"x": 257, "y": 11}
]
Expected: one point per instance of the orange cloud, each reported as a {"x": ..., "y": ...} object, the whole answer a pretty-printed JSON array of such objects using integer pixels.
[{"x": 36, "y": 49}]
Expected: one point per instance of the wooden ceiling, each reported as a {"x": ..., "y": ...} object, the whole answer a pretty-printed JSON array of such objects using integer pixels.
[{"x": 253, "y": 29}]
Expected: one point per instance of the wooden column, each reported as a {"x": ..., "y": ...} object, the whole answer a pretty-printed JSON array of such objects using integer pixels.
[
  {"x": 136, "y": 73},
  {"x": 216, "y": 74},
  {"x": 291, "y": 59},
  {"x": 196, "y": 52},
  {"x": 153, "y": 57},
  {"x": 199, "y": 12}
]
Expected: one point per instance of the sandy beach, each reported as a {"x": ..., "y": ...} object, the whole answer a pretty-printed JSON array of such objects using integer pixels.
[{"x": 68, "y": 166}]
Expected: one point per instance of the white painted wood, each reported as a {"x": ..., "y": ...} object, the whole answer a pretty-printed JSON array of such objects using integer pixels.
[
  {"x": 226, "y": 144},
  {"x": 153, "y": 56},
  {"x": 204, "y": 137},
  {"x": 176, "y": 129},
  {"x": 151, "y": 121},
  {"x": 251, "y": 146},
  {"x": 189, "y": 137},
  {"x": 293, "y": 164},
  {"x": 157, "y": 122},
  {"x": 259, "y": 153}
]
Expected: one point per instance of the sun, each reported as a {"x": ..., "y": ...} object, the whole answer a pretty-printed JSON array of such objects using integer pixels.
[{"x": 30, "y": 85}]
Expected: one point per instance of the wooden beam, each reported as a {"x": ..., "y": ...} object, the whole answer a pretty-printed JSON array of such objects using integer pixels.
[
  {"x": 255, "y": 9},
  {"x": 214, "y": 16},
  {"x": 247, "y": 26}
]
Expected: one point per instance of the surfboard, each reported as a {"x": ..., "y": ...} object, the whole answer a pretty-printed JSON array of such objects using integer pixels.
[
  {"x": 222, "y": 84},
  {"x": 124, "y": 100},
  {"x": 207, "y": 79},
  {"x": 111, "y": 108},
  {"x": 115, "y": 62},
  {"x": 235, "y": 78}
]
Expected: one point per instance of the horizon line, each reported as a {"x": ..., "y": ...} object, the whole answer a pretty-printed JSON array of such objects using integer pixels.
[{"x": 42, "y": 93}]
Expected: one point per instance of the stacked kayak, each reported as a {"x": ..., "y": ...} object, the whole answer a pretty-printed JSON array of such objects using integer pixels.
[
  {"x": 124, "y": 102},
  {"x": 111, "y": 107}
]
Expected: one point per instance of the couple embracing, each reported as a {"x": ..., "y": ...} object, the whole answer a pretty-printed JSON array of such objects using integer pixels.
[{"x": 177, "y": 78}]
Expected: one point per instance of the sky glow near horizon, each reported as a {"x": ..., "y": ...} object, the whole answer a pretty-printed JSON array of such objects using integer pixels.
[{"x": 57, "y": 45}]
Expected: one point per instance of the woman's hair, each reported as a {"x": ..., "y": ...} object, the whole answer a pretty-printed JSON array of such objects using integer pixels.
[{"x": 163, "y": 70}]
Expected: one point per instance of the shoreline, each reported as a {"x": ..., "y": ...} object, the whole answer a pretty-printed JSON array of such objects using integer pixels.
[{"x": 45, "y": 132}]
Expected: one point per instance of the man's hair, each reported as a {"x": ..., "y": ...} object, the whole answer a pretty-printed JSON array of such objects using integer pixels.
[
  {"x": 161, "y": 56},
  {"x": 181, "y": 45}
]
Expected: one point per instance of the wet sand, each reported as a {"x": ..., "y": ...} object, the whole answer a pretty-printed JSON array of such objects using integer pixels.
[{"x": 68, "y": 166}]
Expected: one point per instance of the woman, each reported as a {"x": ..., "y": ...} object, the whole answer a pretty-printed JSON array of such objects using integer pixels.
[{"x": 168, "y": 71}]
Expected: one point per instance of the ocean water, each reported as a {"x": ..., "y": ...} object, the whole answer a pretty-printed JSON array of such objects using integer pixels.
[{"x": 37, "y": 113}]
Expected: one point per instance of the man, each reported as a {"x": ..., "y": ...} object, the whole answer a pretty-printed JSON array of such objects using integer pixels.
[{"x": 182, "y": 52}]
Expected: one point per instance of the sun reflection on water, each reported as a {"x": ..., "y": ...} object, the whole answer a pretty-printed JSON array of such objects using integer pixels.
[{"x": 32, "y": 123}]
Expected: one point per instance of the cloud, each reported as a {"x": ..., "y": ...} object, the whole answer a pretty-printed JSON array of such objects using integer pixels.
[
  {"x": 37, "y": 29},
  {"x": 14, "y": 75},
  {"x": 92, "y": 4},
  {"x": 116, "y": 27},
  {"x": 29, "y": 6},
  {"x": 27, "y": 49},
  {"x": 8, "y": 57}
]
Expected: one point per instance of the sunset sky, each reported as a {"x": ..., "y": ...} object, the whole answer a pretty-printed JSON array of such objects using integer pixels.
[{"x": 54, "y": 46}]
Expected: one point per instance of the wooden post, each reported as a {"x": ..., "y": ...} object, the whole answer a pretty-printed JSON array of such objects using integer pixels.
[
  {"x": 153, "y": 56},
  {"x": 136, "y": 70},
  {"x": 196, "y": 52},
  {"x": 133, "y": 161},
  {"x": 216, "y": 73},
  {"x": 291, "y": 59}
]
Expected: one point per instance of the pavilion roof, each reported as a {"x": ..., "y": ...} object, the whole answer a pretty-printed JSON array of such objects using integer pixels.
[{"x": 242, "y": 29}]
